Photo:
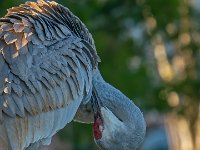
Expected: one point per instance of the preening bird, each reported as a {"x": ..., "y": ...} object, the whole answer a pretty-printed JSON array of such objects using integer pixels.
[{"x": 49, "y": 76}]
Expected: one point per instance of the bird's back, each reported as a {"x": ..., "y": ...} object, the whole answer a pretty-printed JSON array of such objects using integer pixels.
[{"x": 46, "y": 64}]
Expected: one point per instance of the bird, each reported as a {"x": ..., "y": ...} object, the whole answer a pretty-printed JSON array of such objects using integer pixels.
[{"x": 49, "y": 77}]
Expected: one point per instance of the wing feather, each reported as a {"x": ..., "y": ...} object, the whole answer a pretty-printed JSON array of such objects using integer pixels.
[
  {"x": 18, "y": 27},
  {"x": 8, "y": 106},
  {"x": 39, "y": 102},
  {"x": 26, "y": 104},
  {"x": 20, "y": 106},
  {"x": 59, "y": 95},
  {"x": 53, "y": 99},
  {"x": 17, "y": 89},
  {"x": 47, "y": 59}
]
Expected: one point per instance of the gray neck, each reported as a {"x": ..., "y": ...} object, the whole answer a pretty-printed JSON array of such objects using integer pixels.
[{"x": 121, "y": 106}]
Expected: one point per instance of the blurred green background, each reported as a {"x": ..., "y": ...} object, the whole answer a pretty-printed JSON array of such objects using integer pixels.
[{"x": 150, "y": 50}]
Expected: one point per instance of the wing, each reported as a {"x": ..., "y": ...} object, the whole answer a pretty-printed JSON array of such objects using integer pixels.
[{"x": 47, "y": 57}]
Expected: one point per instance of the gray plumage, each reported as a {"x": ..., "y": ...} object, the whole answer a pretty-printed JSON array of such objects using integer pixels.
[{"x": 48, "y": 68}]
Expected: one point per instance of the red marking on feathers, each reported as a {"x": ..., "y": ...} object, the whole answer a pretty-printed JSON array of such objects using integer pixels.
[{"x": 98, "y": 128}]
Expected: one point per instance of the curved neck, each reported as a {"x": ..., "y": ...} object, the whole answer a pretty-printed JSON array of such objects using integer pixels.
[{"x": 121, "y": 106}]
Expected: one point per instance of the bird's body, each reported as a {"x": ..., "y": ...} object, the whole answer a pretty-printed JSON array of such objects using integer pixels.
[
  {"x": 49, "y": 69},
  {"x": 18, "y": 133}
]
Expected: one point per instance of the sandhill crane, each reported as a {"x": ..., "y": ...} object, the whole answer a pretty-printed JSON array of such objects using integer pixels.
[{"x": 49, "y": 69}]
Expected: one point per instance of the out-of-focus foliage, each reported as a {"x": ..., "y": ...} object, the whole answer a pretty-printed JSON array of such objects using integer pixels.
[{"x": 149, "y": 50}]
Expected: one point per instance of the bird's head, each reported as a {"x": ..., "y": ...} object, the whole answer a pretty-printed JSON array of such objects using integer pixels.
[
  {"x": 111, "y": 133},
  {"x": 118, "y": 122}
]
